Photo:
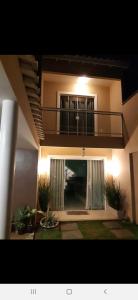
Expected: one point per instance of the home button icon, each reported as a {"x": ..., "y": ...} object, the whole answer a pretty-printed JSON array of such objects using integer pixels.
[{"x": 69, "y": 292}]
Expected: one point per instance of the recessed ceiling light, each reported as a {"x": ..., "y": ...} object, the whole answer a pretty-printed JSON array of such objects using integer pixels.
[{"x": 83, "y": 79}]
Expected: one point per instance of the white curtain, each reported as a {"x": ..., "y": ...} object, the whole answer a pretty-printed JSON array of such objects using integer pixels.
[
  {"x": 57, "y": 167},
  {"x": 95, "y": 185}
]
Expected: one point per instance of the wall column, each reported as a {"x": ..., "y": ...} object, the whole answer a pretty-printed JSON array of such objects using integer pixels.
[{"x": 8, "y": 135}]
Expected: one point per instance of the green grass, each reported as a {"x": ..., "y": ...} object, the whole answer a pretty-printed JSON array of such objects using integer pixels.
[
  {"x": 91, "y": 230},
  {"x": 49, "y": 234},
  {"x": 95, "y": 230},
  {"x": 132, "y": 227}
]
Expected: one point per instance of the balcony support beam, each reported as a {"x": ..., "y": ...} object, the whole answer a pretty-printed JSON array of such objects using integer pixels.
[{"x": 56, "y": 140}]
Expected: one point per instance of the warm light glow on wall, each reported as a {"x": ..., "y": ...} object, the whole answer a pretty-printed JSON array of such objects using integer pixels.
[
  {"x": 44, "y": 167},
  {"x": 83, "y": 80},
  {"x": 108, "y": 167},
  {"x": 81, "y": 85},
  {"x": 113, "y": 167}
]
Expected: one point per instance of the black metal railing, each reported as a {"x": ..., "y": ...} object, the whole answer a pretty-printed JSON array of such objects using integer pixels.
[{"x": 82, "y": 122}]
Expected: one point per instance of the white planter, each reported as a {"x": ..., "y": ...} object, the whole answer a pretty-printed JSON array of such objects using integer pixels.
[
  {"x": 44, "y": 224},
  {"x": 52, "y": 226}
]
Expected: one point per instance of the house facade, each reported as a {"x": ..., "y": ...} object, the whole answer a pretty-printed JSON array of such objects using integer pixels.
[
  {"x": 81, "y": 131},
  {"x": 74, "y": 130}
]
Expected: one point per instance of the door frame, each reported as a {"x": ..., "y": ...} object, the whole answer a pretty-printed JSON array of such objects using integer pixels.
[
  {"x": 59, "y": 93},
  {"x": 73, "y": 157},
  {"x": 133, "y": 159}
]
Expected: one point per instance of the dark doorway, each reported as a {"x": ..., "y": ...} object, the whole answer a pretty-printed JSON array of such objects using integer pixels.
[{"x": 75, "y": 184}]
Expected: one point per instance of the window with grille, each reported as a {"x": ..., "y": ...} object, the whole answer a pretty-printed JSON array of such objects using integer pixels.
[{"x": 74, "y": 121}]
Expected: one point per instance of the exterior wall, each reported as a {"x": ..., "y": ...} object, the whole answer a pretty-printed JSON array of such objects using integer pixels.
[
  {"x": 25, "y": 181},
  {"x": 130, "y": 112},
  {"x": 116, "y": 106},
  {"x": 50, "y": 90},
  {"x": 116, "y": 97},
  {"x": 45, "y": 151}
]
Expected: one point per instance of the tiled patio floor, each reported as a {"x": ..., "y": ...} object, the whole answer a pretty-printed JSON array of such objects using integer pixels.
[
  {"x": 112, "y": 225},
  {"x": 99, "y": 230},
  {"x": 123, "y": 234},
  {"x": 117, "y": 229},
  {"x": 70, "y": 231},
  {"x": 26, "y": 236}
]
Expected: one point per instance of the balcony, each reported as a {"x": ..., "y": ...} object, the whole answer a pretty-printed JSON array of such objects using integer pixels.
[{"x": 82, "y": 128}]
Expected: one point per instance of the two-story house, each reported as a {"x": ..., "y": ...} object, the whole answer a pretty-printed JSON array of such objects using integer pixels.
[
  {"x": 74, "y": 125},
  {"x": 87, "y": 133}
]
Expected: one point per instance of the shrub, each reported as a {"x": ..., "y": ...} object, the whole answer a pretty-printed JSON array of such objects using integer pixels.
[
  {"x": 114, "y": 195},
  {"x": 24, "y": 217},
  {"x": 43, "y": 195}
]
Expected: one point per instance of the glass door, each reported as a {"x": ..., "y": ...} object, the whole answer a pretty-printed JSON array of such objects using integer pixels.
[
  {"x": 82, "y": 116},
  {"x": 64, "y": 116},
  {"x": 75, "y": 122},
  {"x": 75, "y": 184},
  {"x": 73, "y": 125},
  {"x": 90, "y": 117}
]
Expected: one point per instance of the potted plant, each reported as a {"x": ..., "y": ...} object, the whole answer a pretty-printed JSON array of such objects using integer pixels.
[
  {"x": 115, "y": 197},
  {"x": 30, "y": 224},
  {"x": 50, "y": 221},
  {"x": 20, "y": 228},
  {"x": 43, "y": 197},
  {"x": 25, "y": 218},
  {"x": 20, "y": 218}
]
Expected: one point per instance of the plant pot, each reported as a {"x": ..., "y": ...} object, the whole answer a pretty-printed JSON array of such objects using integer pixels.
[
  {"x": 30, "y": 229},
  {"x": 52, "y": 226},
  {"x": 21, "y": 231},
  {"x": 45, "y": 224}
]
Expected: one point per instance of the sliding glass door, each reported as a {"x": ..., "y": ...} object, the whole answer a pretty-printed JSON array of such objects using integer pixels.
[{"x": 77, "y": 184}]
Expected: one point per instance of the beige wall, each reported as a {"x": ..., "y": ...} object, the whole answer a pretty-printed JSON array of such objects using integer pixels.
[
  {"x": 51, "y": 88},
  {"x": 130, "y": 112},
  {"x": 50, "y": 100},
  {"x": 116, "y": 96},
  {"x": 25, "y": 180},
  {"x": 45, "y": 151},
  {"x": 116, "y": 106}
]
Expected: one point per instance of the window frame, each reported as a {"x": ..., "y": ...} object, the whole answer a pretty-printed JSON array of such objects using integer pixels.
[{"x": 60, "y": 93}]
